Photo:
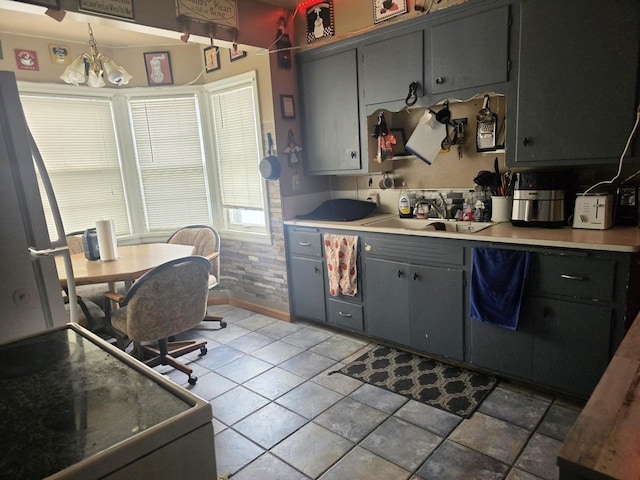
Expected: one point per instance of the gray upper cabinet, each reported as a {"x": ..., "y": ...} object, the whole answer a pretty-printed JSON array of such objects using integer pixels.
[
  {"x": 469, "y": 51},
  {"x": 389, "y": 66},
  {"x": 577, "y": 81},
  {"x": 329, "y": 92}
]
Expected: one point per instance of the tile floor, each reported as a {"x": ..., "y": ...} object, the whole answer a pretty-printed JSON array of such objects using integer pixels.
[{"x": 278, "y": 415}]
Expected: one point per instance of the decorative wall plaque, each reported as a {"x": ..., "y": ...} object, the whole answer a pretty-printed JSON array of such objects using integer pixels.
[
  {"x": 319, "y": 20},
  {"x": 220, "y": 12},
  {"x": 110, "y": 8}
]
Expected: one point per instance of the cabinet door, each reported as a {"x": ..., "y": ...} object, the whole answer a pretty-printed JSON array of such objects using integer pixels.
[
  {"x": 307, "y": 284},
  {"x": 331, "y": 119},
  {"x": 387, "y": 300},
  {"x": 436, "y": 299},
  {"x": 390, "y": 66},
  {"x": 503, "y": 350},
  {"x": 577, "y": 85},
  {"x": 571, "y": 344},
  {"x": 470, "y": 51}
]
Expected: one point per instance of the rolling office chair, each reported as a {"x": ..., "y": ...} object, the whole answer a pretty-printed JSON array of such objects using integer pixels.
[
  {"x": 206, "y": 242},
  {"x": 166, "y": 301}
]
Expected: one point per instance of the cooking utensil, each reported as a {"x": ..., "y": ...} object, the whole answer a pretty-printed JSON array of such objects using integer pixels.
[
  {"x": 486, "y": 127},
  {"x": 444, "y": 117},
  {"x": 270, "y": 165},
  {"x": 499, "y": 187}
]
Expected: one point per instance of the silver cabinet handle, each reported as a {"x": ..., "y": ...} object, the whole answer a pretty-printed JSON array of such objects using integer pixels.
[
  {"x": 342, "y": 314},
  {"x": 572, "y": 277},
  {"x": 304, "y": 244}
]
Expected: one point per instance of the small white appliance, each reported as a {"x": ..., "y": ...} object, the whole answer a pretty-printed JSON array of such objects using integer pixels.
[{"x": 594, "y": 211}]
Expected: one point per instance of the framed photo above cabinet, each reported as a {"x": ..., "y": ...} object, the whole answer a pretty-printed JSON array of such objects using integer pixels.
[
  {"x": 385, "y": 9},
  {"x": 319, "y": 17}
]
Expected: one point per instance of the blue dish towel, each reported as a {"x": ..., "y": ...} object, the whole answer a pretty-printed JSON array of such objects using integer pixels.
[{"x": 497, "y": 285}]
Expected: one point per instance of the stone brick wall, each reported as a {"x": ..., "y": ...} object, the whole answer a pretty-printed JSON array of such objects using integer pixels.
[{"x": 257, "y": 273}]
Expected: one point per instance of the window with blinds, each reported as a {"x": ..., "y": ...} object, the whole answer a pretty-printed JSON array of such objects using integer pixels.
[
  {"x": 170, "y": 159},
  {"x": 76, "y": 138},
  {"x": 236, "y": 131},
  {"x": 153, "y": 161}
]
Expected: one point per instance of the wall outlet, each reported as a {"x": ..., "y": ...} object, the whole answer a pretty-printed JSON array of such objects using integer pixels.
[
  {"x": 374, "y": 198},
  {"x": 295, "y": 182}
]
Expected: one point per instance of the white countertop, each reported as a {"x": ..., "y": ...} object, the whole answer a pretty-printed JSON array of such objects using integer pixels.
[{"x": 616, "y": 239}]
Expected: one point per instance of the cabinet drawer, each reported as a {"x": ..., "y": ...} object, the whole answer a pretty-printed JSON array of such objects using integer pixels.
[
  {"x": 305, "y": 243},
  {"x": 345, "y": 314},
  {"x": 588, "y": 278},
  {"x": 413, "y": 250}
]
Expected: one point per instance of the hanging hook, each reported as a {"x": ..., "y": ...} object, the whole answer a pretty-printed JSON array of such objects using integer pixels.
[
  {"x": 185, "y": 25},
  {"x": 212, "y": 29},
  {"x": 412, "y": 97}
]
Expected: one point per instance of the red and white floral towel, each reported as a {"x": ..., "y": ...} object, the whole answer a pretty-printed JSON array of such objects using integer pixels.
[{"x": 341, "y": 253}]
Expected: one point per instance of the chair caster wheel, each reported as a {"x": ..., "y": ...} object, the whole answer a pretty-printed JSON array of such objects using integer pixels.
[
  {"x": 192, "y": 380},
  {"x": 203, "y": 351},
  {"x": 223, "y": 324}
]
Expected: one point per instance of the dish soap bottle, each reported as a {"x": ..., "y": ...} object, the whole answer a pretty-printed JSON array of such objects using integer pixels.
[{"x": 404, "y": 203}]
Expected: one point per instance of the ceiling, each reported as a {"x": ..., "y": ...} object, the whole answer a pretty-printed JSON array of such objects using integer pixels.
[{"x": 23, "y": 19}]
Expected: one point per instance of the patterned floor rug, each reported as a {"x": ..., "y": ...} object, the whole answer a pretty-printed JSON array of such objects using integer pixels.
[{"x": 447, "y": 387}]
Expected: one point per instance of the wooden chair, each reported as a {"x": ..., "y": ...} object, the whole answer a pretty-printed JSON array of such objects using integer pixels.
[
  {"x": 166, "y": 301},
  {"x": 206, "y": 242}
]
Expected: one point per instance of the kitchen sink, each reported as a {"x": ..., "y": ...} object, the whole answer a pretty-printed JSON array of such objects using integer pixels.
[{"x": 430, "y": 224}]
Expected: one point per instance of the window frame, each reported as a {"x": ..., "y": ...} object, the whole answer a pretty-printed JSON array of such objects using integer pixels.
[
  {"x": 129, "y": 168},
  {"x": 240, "y": 232}
]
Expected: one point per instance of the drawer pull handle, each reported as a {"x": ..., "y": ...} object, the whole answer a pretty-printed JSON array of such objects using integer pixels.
[
  {"x": 416, "y": 276},
  {"x": 316, "y": 269},
  {"x": 400, "y": 273},
  {"x": 304, "y": 244},
  {"x": 342, "y": 314},
  {"x": 572, "y": 277}
]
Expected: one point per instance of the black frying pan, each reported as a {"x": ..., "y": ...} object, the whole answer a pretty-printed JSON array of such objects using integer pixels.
[{"x": 270, "y": 165}]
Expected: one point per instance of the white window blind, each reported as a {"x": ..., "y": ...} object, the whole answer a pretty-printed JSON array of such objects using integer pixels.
[
  {"x": 77, "y": 141},
  {"x": 237, "y": 147},
  {"x": 170, "y": 159}
]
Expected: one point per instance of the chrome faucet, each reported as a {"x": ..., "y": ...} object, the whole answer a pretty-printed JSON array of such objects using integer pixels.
[{"x": 442, "y": 212}]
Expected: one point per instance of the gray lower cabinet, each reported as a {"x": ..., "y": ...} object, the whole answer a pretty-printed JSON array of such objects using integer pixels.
[
  {"x": 571, "y": 321},
  {"x": 436, "y": 311},
  {"x": 306, "y": 273},
  {"x": 571, "y": 344},
  {"x": 412, "y": 303},
  {"x": 502, "y": 350},
  {"x": 307, "y": 282},
  {"x": 387, "y": 300}
]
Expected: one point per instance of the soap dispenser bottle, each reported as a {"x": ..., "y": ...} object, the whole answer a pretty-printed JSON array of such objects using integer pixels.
[{"x": 404, "y": 203}]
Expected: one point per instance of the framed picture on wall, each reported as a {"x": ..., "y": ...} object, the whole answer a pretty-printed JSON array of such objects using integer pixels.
[
  {"x": 287, "y": 107},
  {"x": 319, "y": 20},
  {"x": 55, "y": 4},
  {"x": 386, "y": 9},
  {"x": 211, "y": 59},
  {"x": 235, "y": 53},
  {"x": 158, "y": 66}
]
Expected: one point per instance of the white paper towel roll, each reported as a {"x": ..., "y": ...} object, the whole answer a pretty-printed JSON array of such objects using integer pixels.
[{"x": 107, "y": 243}]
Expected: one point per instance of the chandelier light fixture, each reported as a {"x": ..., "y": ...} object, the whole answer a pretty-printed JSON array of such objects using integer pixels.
[{"x": 93, "y": 67}]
